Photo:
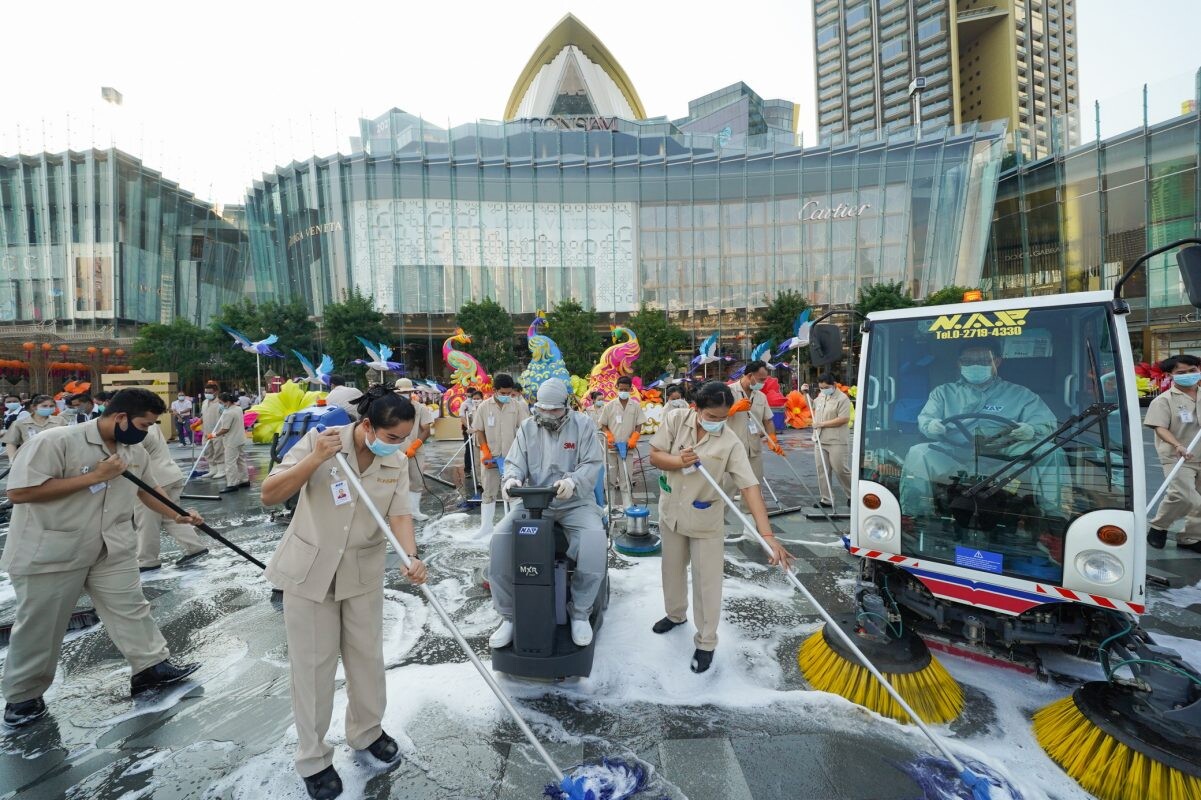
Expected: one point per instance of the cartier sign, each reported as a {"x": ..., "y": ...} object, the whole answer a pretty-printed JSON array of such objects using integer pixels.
[
  {"x": 814, "y": 211},
  {"x": 574, "y": 123}
]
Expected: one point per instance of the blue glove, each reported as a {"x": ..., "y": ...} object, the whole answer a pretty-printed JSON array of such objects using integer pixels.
[
  {"x": 499, "y": 461},
  {"x": 622, "y": 448}
]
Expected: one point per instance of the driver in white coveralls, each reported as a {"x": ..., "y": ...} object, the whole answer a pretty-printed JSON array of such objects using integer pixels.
[{"x": 979, "y": 391}]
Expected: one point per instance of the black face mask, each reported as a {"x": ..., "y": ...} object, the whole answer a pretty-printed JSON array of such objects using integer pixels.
[{"x": 128, "y": 435}]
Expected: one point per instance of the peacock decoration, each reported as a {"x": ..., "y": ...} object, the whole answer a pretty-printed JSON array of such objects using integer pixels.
[
  {"x": 466, "y": 372},
  {"x": 546, "y": 360},
  {"x": 617, "y": 360}
]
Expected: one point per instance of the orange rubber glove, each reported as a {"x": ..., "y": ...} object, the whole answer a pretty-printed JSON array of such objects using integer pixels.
[
  {"x": 633, "y": 440},
  {"x": 413, "y": 448},
  {"x": 609, "y": 437},
  {"x": 485, "y": 453},
  {"x": 739, "y": 406},
  {"x": 774, "y": 444}
]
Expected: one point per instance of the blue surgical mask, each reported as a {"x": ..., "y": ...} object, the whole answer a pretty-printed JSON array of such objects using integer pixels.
[
  {"x": 45, "y": 412},
  {"x": 208, "y": 396},
  {"x": 712, "y": 427},
  {"x": 829, "y": 390},
  {"x": 382, "y": 449},
  {"x": 978, "y": 373},
  {"x": 502, "y": 398},
  {"x": 623, "y": 395},
  {"x": 13, "y": 406},
  {"x": 1187, "y": 380},
  {"x": 758, "y": 386}
]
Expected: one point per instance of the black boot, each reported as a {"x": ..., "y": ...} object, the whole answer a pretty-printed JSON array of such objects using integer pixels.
[
  {"x": 325, "y": 785},
  {"x": 161, "y": 674},
  {"x": 18, "y": 715},
  {"x": 1157, "y": 538},
  {"x": 384, "y": 749},
  {"x": 666, "y": 624},
  {"x": 701, "y": 660}
]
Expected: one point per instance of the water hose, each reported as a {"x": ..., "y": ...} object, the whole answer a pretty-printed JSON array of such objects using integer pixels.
[{"x": 979, "y": 786}]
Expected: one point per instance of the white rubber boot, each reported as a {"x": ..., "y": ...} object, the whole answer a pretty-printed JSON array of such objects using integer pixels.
[
  {"x": 415, "y": 507},
  {"x": 487, "y": 515},
  {"x": 503, "y": 636}
]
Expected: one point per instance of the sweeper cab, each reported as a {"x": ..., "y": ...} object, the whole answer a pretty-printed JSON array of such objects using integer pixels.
[
  {"x": 999, "y": 498},
  {"x": 542, "y": 647}
]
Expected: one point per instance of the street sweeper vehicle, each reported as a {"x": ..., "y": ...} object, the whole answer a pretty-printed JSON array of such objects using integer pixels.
[{"x": 1000, "y": 512}]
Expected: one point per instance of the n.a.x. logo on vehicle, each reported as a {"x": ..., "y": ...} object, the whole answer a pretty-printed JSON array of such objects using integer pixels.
[
  {"x": 980, "y": 324},
  {"x": 527, "y": 530}
]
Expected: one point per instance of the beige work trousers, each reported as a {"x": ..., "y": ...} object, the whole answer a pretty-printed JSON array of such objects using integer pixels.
[
  {"x": 491, "y": 482},
  {"x": 149, "y": 526},
  {"x": 1182, "y": 501},
  {"x": 707, "y": 557},
  {"x": 215, "y": 458},
  {"x": 620, "y": 478},
  {"x": 44, "y": 605},
  {"x": 416, "y": 484},
  {"x": 838, "y": 464},
  {"x": 317, "y": 632},
  {"x": 236, "y": 472}
]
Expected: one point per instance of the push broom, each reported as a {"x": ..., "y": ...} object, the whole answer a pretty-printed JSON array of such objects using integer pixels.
[
  {"x": 573, "y": 788},
  {"x": 979, "y": 786}
]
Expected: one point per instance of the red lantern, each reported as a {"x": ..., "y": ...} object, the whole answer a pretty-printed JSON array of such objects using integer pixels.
[
  {"x": 28, "y": 346},
  {"x": 47, "y": 347},
  {"x": 120, "y": 352},
  {"x": 106, "y": 352},
  {"x": 92, "y": 351},
  {"x": 62, "y": 348}
]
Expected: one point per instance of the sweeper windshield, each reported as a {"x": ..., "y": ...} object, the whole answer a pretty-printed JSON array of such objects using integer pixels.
[{"x": 995, "y": 430}]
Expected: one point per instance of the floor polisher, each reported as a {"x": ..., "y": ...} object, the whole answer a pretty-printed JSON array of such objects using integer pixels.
[{"x": 637, "y": 539}]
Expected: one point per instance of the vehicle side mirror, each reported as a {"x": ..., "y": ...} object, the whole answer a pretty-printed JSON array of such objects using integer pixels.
[
  {"x": 1189, "y": 261},
  {"x": 825, "y": 345}
]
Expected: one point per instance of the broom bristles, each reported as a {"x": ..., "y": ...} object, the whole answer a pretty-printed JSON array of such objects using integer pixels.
[
  {"x": 1101, "y": 764},
  {"x": 930, "y": 691}
]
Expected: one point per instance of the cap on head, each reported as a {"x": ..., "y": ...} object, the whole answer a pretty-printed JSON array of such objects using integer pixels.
[
  {"x": 403, "y": 385},
  {"x": 552, "y": 394}
]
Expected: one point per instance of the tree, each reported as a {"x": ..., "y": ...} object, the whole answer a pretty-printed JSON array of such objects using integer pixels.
[
  {"x": 883, "y": 296},
  {"x": 289, "y": 321},
  {"x": 776, "y": 320},
  {"x": 491, "y": 330},
  {"x": 574, "y": 329},
  {"x": 659, "y": 338},
  {"x": 355, "y": 316},
  {"x": 179, "y": 347},
  {"x": 949, "y": 294}
]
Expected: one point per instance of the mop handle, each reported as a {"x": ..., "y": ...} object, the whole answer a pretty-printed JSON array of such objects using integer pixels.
[
  {"x": 192, "y": 472},
  {"x": 353, "y": 477},
  {"x": 1172, "y": 474},
  {"x": 452, "y": 459},
  {"x": 830, "y": 623}
]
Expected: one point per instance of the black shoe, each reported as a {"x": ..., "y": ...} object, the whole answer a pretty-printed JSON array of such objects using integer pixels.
[
  {"x": 190, "y": 557},
  {"x": 229, "y": 489},
  {"x": 18, "y": 715},
  {"x": 1157, "y": 538},
  {"x": 243, "y": 485},
  {"x": 1194, "y": 546},
  {"x": 149, "y": 569},
  {"x": 823, "y": 504},
  {"x": 161, "y": 674},
  {"x": 384, "y": 749},
  {"x": 701, "y": 660},
  {"x": 665, "y": 624},
  {"x": 325, "y": 785}
]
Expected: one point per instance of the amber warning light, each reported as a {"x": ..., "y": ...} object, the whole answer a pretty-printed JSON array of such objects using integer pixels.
[{"x": 973, "y": 296}]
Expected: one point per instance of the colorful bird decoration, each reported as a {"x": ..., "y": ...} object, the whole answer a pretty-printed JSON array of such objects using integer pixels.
[
  {"x": 617, "y": 360},
  {"x": 318, "y": 376},
  {"x": 380, "y": 353},
  {"x": 466, "y": 372},
  {"x": 546, "y": 360},
  {"x": 708, "y": 353},
  {"x": 262, "y": 347},
  {"x": 762, "y": 352},
  {"x": 800, "y": 334}
]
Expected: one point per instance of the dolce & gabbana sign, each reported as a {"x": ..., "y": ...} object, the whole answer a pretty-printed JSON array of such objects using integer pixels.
[
  {"x": 573, "y": 123},
  {"x": 814, "y": 211}
]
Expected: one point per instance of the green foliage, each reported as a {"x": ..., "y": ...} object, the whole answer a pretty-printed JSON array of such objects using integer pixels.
[
  {"x": 491, "y": 330},
  {"x": 355, "y": 316},
  {"x": 574, "y": 329},
  {"x": 945, "y": 296},
  {"x": 776, "y": 320},
  {"x": 659, "y": 338},
  {"x": 883, "y": 296},
  {"x": 180, "y": 347}
]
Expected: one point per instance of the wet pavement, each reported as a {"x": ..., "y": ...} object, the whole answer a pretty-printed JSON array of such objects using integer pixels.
[{"x": 749, "y": 728}]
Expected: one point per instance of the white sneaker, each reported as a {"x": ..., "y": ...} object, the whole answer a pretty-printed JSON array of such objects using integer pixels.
[
  {"x": 581, "y": 632},
  {"x": 503, "y": 636}
]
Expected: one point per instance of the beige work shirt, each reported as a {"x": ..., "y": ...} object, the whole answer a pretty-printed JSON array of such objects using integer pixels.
[
  {"x": 1177, "y": 412},
  {"x": 71, "y": 532},
  {"x": 828, "y": 408},
  {"x": 498, "y": 423},
  {"x": 210, "y": 414},
  {"x": 721, "y": 454},
  {"x": 232, "y": 426},
  {"x": 333, "y": 539},
  {"x": 163, "y": 469},
  {"x": 23, "y": 430},
  {"x": 425, "y": 416},
  {"x": 751, "y": 426},
  {"x": 622, "y": 421}
]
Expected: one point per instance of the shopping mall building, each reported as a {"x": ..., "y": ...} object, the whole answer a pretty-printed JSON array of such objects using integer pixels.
[{"x": 578, "y": 193}]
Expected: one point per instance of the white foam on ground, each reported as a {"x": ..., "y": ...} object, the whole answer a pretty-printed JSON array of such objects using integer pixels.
[{"x": 1181, "y": 597}]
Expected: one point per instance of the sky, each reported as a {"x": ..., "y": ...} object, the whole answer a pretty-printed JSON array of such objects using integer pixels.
[{"x": 216, "y": 93}]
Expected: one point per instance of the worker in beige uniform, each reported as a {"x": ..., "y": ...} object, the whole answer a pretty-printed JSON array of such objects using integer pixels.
[
  {"x": 40, "y": 420},
  {"x": 1173, "y": 417},
  {"x": 231, "y": 432},
  {"x": 494, "y": 425},
  {"x": 210, "y": 415},
  {"x": 750, "y": 415},
  {"x": 148, "y": 524},
  {"x": 330, "y": 566},
  {"x": 691, "y": 514},
  {"x": 72, "y": 531},
  {"x": 596, "y": 407},
  {"x": 421, "y": 431},
  {"x": 831, "y": 438},
  {"x": 621, "y": 422}
]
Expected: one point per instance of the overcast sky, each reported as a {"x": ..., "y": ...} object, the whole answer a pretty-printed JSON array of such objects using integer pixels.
[{"x": 218, "y": 92}]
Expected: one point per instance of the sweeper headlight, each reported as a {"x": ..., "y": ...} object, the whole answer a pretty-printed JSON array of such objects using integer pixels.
[
  {"x": 1099, "y": 567},
  {"x": 878, "y": 529}
]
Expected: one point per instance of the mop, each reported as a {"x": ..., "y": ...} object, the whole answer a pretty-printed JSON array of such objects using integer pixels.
[
  {"x": 611, "y": 772},
  {"x": 979, "y": 786}
]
